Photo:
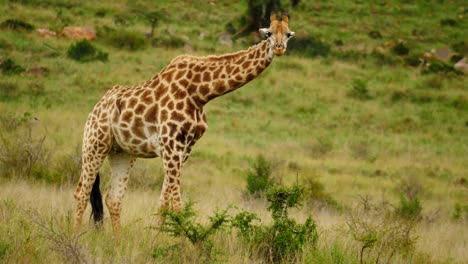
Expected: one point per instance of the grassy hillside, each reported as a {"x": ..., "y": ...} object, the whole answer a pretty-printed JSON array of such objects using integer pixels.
[{"x": 351, "y": 106}]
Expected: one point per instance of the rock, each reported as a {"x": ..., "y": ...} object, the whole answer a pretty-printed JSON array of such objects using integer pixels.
[
  {"x": 461, "y": 65},
  {"x": 38, "y": 71},
  {"x": 45, "y": 32},
  {"x": 88, "y": 33},
  {"x": 443, "y": 54},
  {"x": 226, "y": 39}
]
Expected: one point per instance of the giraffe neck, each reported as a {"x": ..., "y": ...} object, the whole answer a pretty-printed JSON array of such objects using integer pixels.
[
  {"x": 206, "y": 78},
  {"x": 232, "y": 71}
]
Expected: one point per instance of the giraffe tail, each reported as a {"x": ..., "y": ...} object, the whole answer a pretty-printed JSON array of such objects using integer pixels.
[{"x": 96, "y": 203}]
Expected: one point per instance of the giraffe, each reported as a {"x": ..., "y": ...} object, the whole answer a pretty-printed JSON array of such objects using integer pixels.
[{"x": 163, "y": 117}]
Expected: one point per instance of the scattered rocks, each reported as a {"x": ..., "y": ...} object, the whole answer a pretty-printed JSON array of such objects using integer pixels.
[
  {"x": 45, "y": 32},
  {"x": 38, "y": 71},
  {"x": 225, "y": 39},
  {"x": 461, "y": 65},
  {"x": 78, "y": 33},
  {"x": 443, "y": 54}
]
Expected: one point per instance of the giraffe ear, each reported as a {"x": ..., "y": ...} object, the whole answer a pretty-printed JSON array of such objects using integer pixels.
[
  {"x": 272, "y": 17},
  {"x": 265, "y": 32}
]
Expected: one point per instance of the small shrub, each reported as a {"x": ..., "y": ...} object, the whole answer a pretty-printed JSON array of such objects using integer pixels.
[
  {"x": 259, "y": 176},
  {"x": 183, "y": 224},
  {"x": 359, "y": 90},
  {"x": 400, "y": 49},
  {"x": 17, "y": 25},
  {"x": 460, "y": 212},
  {"x": 84, "y": 51},
  {"x": 309, "y": 46},
  {"x": 448, "y": 22},
  {"x": 23, "y": 152},
  {"x": 8, "y": 90},
  {"x": 281, "y": 241},
  {"x": 410, "y": 207},
  {"x": 9, "y": 66},
  {"x": 436, "y": 66},
  {"x": 128, "y": 40},
  {"x": 168, "y": 40},
  {"x": 380, "y": 233},
  {"x": 375, "y": 34},
  {"x": 315, "y": 194}
]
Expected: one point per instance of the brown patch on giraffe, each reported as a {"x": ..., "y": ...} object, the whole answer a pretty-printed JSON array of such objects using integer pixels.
[
  {"x": 180, "y": 106},
  {"x": 136, "y": 141},
  {"x": 250, "y": 77},
  {"x": 216, "y": 73},
  {"x": 138, "y": 128},
  {"x": 235, "y": 71},
  {"x": 184, "y": 82},
  {"x": 165, "y": 100},
  {"x": 191, "y": 89},
  {"x": 206, "y": 76},
  {"x": 117, "y": 103},
  {"x": 164, "y": 115},
  {"x": 239, "y": 78},
  {"x": 140, "y": 109},
  {"x": 219, "y": 87},
  {"x": 246, "y": 64},
  {"x": 167, "y": 76},
  {"x": 126, "y": 117},
  {"x": 180, "y": 74},
  {"x": 125, "y": 135},
  {"x": 150, "y": 115},
  {"x": 182, "y": 65},
  {"x": 234, "y": 84},
  {"x": 160, "y": 92},
  {"x": 170, "y": 105},
  {"x": 180, "y": 95},
  {"x": 153, "y": 129},
  {"x": 229, "y": 69},
  {"x": 176, "y": 116},
  {"x": 197, "y": 78},
  {"x": 204, "y": 90},
  {"x": 189, "y": 74},
  {"x": 171, "y": 180},
  {"x": 132, "y": 102},
  {"x": 164, "y": 130}
]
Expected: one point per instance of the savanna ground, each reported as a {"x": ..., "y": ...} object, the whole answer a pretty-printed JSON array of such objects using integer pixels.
[{"x": 350, "y": 113}]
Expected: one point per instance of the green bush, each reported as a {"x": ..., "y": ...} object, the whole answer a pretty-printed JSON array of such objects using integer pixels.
[
  {"x": 359, "y": 89},
  {"x": 17, "y": 25},
  {"x": 315, "y": 194},
  {"x": 23, "y": 152},
  {"x": 310, "y": 47},
  {"x": 9, "y": 66},
  {"x": 84, "y": 51},
  {"x": 410, "y": 207},
  {"x": 259, "y": 176},
  {"x": 128, "y": 40},
  {"x": 183, "y": 224},
  {"x": 380, "y": 233},
  {"x": 281, "y": 241}
]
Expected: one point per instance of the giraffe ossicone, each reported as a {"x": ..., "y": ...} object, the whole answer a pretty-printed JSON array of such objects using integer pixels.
[{"x": 164, "y": 117}]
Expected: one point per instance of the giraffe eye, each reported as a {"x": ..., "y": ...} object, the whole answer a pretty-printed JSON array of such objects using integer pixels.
[
  {"x": 289, "y": 34},
  {"x": 268, "y": 34}
]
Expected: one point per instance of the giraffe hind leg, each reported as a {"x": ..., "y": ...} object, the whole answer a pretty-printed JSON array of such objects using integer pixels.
[
  {"x": 121, "y": 163},
  {"x": 83, "y": 191},
  {"x": 96, "y": 203}
]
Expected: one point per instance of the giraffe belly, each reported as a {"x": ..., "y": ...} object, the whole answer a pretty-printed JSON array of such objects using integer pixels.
[{"x": 138, "y": 146}]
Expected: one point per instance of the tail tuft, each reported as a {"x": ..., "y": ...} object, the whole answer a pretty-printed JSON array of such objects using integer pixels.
[{"x": 96, "y": 203}]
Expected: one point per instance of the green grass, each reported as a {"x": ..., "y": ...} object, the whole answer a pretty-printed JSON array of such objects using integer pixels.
[{"x": 361, "y": 122}]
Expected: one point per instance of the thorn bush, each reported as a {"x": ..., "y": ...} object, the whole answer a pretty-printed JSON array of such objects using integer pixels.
[
  {"x": 282, "y": 240},
  {"x": 259, "y": 176},
  {"x": 84, "y": 51}
]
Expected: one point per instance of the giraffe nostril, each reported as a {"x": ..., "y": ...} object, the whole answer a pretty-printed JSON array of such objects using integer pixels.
[{"x": 278, "y": 45}]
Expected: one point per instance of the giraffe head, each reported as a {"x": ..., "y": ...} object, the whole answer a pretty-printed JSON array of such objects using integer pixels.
[{"x": 278, "y": 34}]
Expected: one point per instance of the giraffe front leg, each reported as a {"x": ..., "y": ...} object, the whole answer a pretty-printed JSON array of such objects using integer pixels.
[
  {"x": 170, "y": 198},
  {"x": 121, "y": 164}
]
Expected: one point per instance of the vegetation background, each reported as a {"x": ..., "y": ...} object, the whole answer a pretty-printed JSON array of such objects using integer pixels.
[{"x": 359, "y": 112}]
